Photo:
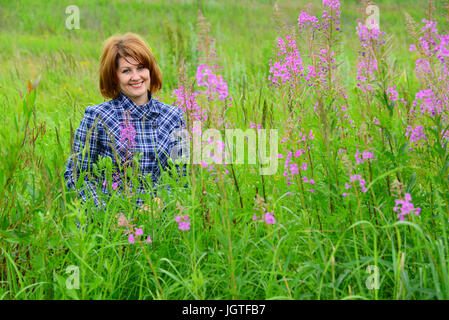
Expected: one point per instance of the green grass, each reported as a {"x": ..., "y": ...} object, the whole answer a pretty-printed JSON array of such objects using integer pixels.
[{"x": 312, "y": 252}]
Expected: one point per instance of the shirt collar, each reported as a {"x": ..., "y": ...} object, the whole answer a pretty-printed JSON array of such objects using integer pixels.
[{"x": 149, "y": 108}]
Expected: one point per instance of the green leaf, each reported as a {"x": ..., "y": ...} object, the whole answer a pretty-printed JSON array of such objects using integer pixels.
[{"x": 411, "y": 182}]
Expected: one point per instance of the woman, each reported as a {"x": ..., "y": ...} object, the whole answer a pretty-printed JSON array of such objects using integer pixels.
[{"x": 132, "y": 122}]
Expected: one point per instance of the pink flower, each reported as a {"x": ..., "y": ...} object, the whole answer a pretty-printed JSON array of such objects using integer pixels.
[
  {"x": 253, "y": 125},
  {"x": 311, "y": 136},
  {"x": 269, "y": 219},
  {"x": 127, "y": 133},
  {"x": 115, "y": 185},
  {"x": 187, "y": 101},
  {"x": 215, "y": 85},
  {"x": 287, "y": 68},
  {"x": 131, "y": 238},
  {"x": 392, "y": 93},
  {"x": 306, "y": 21},
  {"x": 367, "y": 155},
  {"x": 416, "y": 136},
  {"x": 299, "y": 152},
  {"x": 371, "y": 39},
  {"x": 148, "y": 240},
  {"x": 304, "y": 166},
  {"x": 139, "y": 232},
  {"x": 362, "y": 185},
  {"x": 357, "y": 157},
  {"x": 405, "y": 206},
  {"x": 429, "y": 103},
  {"x": 183, "y": 222},
  {"x": 184, "y": 226},
  {"x": 294, "y": 168}
]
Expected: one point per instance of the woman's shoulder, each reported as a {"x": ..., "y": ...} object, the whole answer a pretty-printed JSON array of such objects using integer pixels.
[
  {"x": 101, "y": 109},
  {"x": 171, "y": 112},
  {"x": 105, "y": 112}
]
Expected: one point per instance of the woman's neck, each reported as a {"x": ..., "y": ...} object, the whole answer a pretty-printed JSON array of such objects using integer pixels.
[{"x": 140, "y": 100}]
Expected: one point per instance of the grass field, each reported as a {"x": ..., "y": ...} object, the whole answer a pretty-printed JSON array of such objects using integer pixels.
[{"x": 335, "y": 238}]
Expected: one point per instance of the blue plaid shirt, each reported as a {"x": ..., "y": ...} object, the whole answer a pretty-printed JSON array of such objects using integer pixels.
[{"x": 100, "y": 134}]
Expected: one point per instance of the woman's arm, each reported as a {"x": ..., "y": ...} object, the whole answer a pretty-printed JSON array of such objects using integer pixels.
[{"x": 83, "y": 155}]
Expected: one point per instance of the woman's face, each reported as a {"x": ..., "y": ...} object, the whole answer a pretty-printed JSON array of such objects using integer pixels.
[{"x": 134, "y": 80}]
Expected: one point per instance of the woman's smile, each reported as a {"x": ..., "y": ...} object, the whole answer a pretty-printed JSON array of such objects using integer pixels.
[{"x": 136, "y": 85}]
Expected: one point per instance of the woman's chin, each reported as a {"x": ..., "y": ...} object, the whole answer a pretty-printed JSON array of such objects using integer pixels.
[{"x": 136, "y": 93}]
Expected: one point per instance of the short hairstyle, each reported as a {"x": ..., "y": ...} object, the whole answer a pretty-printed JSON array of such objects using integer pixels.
[{"x": 128, "y": 45}]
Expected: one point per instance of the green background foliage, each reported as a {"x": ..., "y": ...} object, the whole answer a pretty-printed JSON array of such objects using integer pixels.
[{"x": 307, "y": 254}]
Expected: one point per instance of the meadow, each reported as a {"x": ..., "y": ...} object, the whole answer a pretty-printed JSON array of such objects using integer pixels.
[{"x": 357, "y": 209}]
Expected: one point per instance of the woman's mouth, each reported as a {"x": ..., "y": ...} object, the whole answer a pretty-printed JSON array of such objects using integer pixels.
[{"x": 137, "y": 85}]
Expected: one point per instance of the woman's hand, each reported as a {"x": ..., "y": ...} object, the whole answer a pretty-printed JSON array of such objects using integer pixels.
[{"x": 153, "y": 208}]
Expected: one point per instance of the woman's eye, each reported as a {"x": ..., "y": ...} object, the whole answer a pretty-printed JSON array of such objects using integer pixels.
[{"x": 138, "y": 68}]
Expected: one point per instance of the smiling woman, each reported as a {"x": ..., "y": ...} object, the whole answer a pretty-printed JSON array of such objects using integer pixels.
[
  {"x": 134, "y": 79},
  {"x": 131, "y": 122}
]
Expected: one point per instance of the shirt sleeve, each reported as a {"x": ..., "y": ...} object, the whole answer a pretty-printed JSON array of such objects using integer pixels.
[
  {"x": 180, "y": 145},
  {"x": 83, "y": 155}
]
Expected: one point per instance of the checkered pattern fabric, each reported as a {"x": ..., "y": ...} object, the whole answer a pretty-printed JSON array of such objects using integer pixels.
[{"x": 101, "y": 134}]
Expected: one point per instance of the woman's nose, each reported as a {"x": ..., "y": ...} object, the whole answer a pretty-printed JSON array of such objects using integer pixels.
[{"x": 134, "y": 75}]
